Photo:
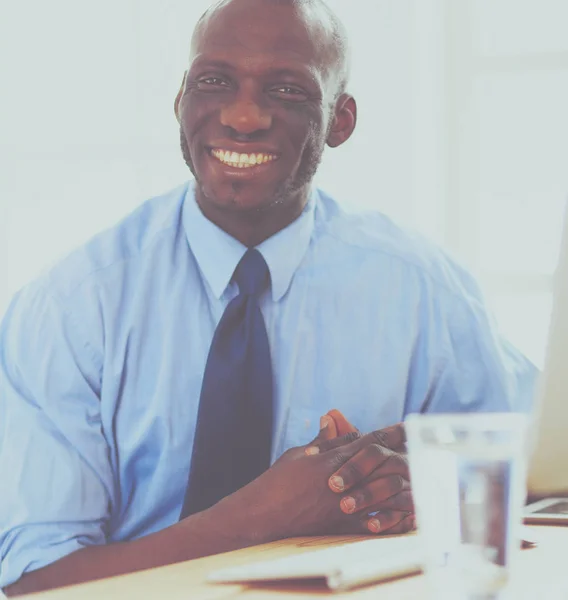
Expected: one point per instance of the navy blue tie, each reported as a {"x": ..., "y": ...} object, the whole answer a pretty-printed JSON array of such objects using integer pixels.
[{"x": 233, "y": 436}]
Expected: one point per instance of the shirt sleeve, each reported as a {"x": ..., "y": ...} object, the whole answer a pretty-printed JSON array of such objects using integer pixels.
[
  {"x": 54, "y": 461},
  {"x": 469, "y": 367}
]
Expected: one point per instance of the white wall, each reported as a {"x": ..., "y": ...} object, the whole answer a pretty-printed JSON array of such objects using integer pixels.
[
  {"x": 508, "y": 136},
  {"x": 462, "y": 131}
]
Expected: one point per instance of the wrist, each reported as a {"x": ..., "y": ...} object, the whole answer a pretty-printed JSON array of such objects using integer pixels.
[
  {"x": 224, "y": 527},
  {"x": 237, "y": 516}
]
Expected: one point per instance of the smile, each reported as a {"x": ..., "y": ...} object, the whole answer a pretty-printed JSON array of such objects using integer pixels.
[{"x": 242, "y": 161}]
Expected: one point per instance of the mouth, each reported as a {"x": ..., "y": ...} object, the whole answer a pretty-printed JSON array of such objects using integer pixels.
[{"x": 241, "y": 160}]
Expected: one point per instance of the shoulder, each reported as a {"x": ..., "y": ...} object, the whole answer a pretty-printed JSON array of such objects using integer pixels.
[
  {"x": 155, "y": 221},
  {"x": 374, "y": 239},
  {"x": 67, "y": 300}
]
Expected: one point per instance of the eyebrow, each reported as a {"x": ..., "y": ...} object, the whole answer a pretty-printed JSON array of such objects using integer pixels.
[
  {"x": 291, "y": 73},
  {"x": 216, "y": 64}
]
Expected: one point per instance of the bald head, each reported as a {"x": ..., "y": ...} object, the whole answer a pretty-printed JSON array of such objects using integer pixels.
[
  {"x": 319, "y": 21},
  {"x": 264, "y": 83}
]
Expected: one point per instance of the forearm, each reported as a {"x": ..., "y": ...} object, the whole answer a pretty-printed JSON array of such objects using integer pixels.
[{"x": 206, "y": 533}]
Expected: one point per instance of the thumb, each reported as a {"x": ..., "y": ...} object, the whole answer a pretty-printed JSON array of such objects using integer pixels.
[
  {"x": 329, "y": 427},
  {"x": 330, "y": 435},
  {"x": 342, "y": 425},
  {"x": 328, "y": 431}
]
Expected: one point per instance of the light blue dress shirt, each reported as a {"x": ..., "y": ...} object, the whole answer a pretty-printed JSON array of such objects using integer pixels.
[{"x": 102, "y": 358}]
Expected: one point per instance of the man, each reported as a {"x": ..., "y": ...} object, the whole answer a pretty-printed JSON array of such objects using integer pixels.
[{"x": 226, "y": 317}]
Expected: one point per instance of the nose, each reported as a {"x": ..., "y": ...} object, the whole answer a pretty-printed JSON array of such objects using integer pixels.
[{"x": 245, "y": 116}]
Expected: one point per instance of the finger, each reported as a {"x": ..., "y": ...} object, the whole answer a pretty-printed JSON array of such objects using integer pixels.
[
  {"x": 373, "y": 495},
  {"x": 327, "y": 431},
  {"x": 371, "y": 462},
  {"x": 396, "y": 464},
  {"x": 332, "y": 425},
  {"x": 318, "y": 447},
  {"x": 391, "y": 522},
  {"x": 362, "y": 499},
  {"x": 401, "y": 501},
  {"x": 357, "y": 524},
  {"x": 342, "y": 424},
  {"x": 391, "y": 437},
  {"x": 359, "y": 467},
  {"x": 327, "y": 422}
]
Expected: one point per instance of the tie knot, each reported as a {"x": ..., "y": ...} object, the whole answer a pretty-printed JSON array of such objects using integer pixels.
[{"x": 251, "y": 274}]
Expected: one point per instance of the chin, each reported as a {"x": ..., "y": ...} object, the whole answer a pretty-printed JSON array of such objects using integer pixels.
[{"x": 237, "y": 198}]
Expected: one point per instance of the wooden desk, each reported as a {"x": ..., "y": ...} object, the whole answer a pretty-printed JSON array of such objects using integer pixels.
[{"x": 543, "y": 573}]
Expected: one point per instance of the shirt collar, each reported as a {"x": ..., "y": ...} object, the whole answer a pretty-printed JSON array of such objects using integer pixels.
[{"x": 218, "y": 254}]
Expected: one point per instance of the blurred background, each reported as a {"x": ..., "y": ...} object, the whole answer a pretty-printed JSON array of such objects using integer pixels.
[{"x": 463, "y": 130}]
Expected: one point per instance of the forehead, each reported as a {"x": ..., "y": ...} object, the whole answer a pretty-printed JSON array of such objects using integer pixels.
[{"x": 259, "y": 33}]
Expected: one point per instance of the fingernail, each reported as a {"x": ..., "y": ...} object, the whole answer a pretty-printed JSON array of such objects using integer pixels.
[
  {"x": 312, "y": 450},
  {"x": 374, "y": 525},
  {"x": 336, "y": 483},
  {"x": 324, "y": 422},
  {"x": 348, "y": 504}
]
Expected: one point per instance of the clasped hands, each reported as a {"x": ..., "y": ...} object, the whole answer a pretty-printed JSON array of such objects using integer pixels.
[
  {"x": 375, "y": 479},
  {"x": 342, "y": 482}
]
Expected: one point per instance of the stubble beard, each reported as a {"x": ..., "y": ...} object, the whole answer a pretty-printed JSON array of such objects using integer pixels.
[{"x": 286, "y": 191}]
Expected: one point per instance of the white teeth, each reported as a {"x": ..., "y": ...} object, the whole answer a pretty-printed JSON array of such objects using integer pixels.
[{"x": 242, "y": 161}]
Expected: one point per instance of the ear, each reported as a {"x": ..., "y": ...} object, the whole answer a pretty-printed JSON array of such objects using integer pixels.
[
  {"x": 344, "y": 121},
  {"x": 178, "y": 97}
]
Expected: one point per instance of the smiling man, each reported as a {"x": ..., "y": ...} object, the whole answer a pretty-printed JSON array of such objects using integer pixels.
[
  {"x": 159, "y": 387},
  {"x": 257, "y": 107}
]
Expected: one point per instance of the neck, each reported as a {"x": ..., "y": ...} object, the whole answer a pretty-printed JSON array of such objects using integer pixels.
[{"x": 251, "y": 228}]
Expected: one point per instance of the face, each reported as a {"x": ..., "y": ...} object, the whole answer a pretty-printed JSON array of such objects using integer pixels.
[{"x": 256, "y": 108}]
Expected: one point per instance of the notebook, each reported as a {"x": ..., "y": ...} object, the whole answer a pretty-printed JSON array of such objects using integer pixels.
[
  {"x": 345, "y": 566},
  {"x": 340, "y": 568}
]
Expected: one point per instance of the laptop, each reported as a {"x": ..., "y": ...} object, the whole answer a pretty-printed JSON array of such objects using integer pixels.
[{"x": 548, "y": 467}]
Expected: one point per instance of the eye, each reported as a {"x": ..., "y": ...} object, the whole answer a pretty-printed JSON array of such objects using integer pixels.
[
  {"x": 212, "y": 83},
  {"x": 289, "y": 92}
]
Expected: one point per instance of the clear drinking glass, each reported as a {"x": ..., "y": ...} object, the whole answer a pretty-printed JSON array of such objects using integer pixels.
[{"x": 468, "y": 475}]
